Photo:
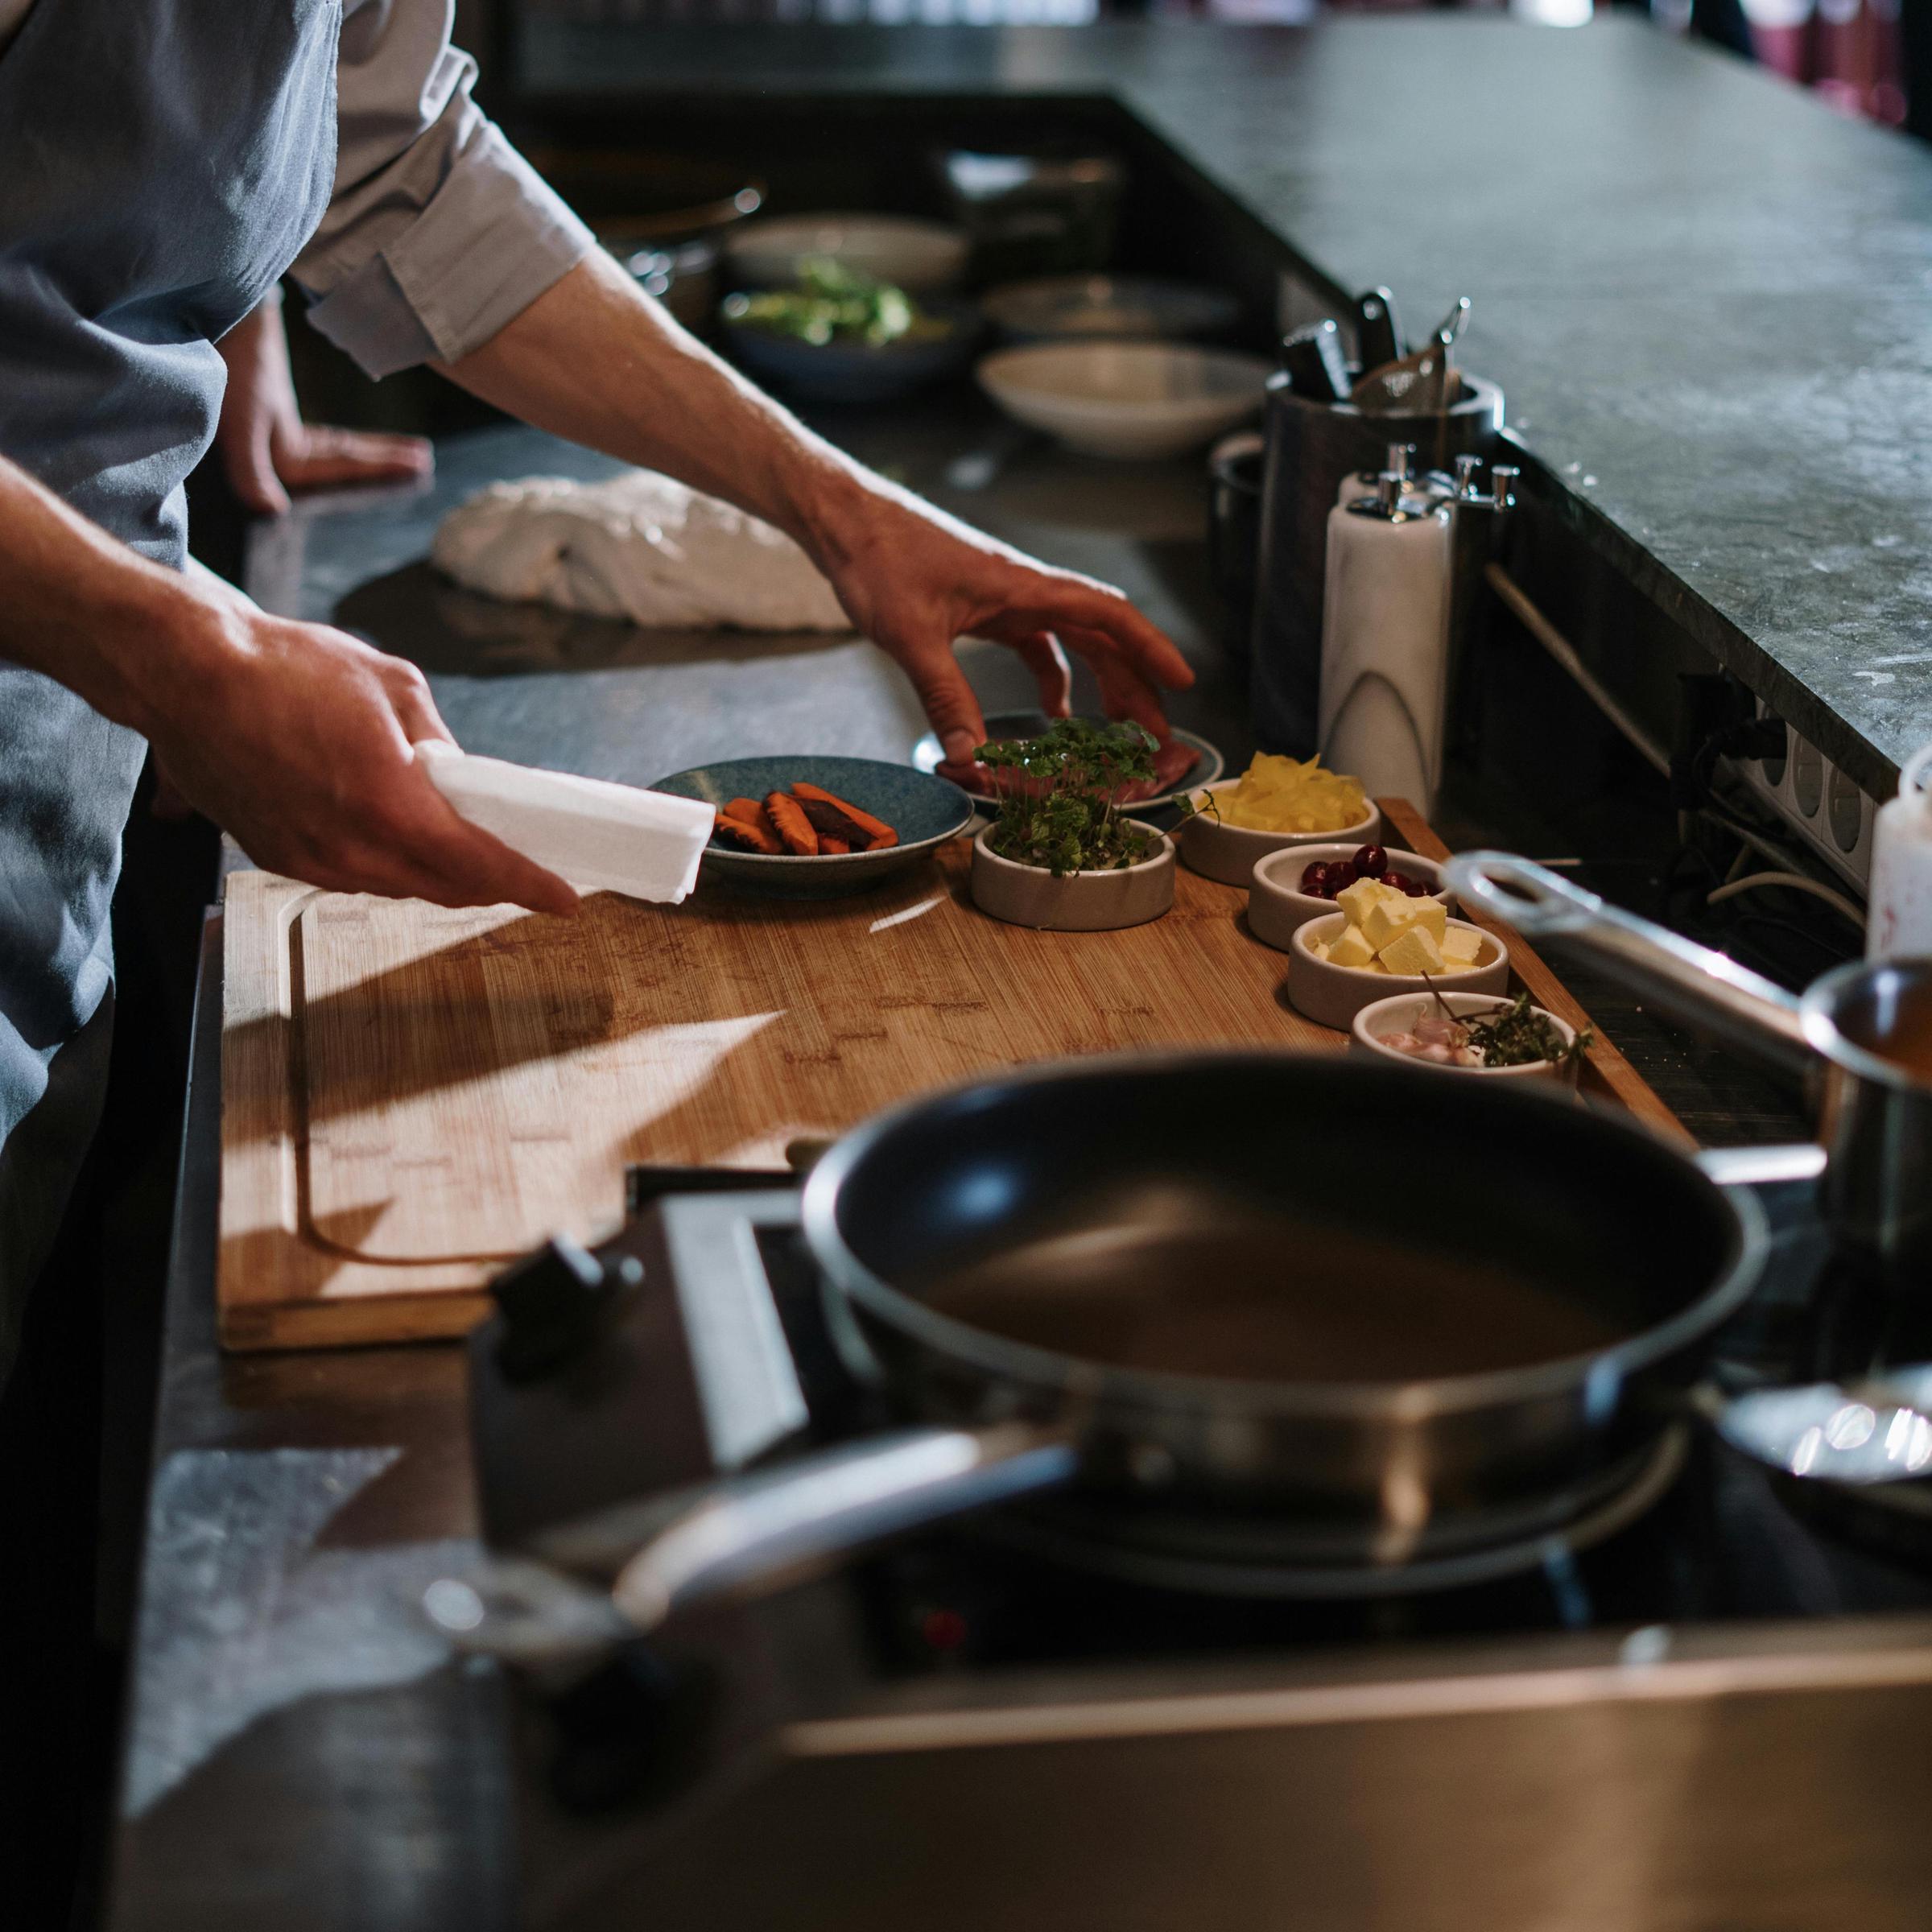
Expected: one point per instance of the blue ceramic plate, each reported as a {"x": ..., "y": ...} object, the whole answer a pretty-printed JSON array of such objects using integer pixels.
[
  {"x": 924, "y": 810},
  {"x": 1207, "y": 768}
]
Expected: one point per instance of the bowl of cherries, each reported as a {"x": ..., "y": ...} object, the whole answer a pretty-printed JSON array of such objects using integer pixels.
[{"x": 1303, "y": 882}]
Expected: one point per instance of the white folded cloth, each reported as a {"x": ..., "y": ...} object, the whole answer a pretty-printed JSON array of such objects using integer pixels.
[
  {"x": 601, "y": 837},
  {"x": 640, "y": 546}
]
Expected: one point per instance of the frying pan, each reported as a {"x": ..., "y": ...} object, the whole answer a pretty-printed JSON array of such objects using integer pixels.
[
  {"x": 1527, "y": 1287},
  {"x": 1862, "y": 1034}
]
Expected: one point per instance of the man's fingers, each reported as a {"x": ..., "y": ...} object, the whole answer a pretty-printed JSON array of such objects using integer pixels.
[
  {"x": 947, "y": 699},
  {"x": 1123, "y": 693},
  {"x": 414, "y": 709},
  {"x": 1043, "y": 657},
  {"x": 467, "y": 866},
  {"x": 1064, "y": 604},
  {"x": 251, "y": 470},
  {"x": 480, "y": 870},
  {"x": 321, "y": 458}
]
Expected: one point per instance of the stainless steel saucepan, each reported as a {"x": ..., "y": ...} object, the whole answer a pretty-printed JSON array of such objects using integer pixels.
[{"x": 1862, "y": 1036}]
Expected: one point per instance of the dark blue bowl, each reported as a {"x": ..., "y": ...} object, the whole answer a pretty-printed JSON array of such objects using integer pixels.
[
  {"x": 856, "y": 372},
  {"x": 925, "y": 810}
]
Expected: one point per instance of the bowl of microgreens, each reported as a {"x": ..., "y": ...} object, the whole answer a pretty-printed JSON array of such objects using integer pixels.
[
  {"x": 1061, "y": 855},
  {"x": 1480, "y": 1033},
  {"x": 840, "y": 336}
]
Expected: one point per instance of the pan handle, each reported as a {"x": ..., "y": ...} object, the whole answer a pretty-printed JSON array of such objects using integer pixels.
[
  {"x": 739, "y": 1539},
  {"x": 1744, "y": 1009}
]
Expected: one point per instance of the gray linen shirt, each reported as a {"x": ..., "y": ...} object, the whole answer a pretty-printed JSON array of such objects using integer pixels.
[{"x": 438, "y": 231}]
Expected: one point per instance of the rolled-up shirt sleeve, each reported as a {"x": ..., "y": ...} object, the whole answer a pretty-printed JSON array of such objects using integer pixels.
[{"x": 438, "y": 231}]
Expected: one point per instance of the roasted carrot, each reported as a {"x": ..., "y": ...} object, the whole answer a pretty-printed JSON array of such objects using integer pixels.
[
  {"x": 754, "y": 834},
  {"x": 887, "y": 837},
  {"x": 791, "y": 824},
  {"x": 748, "y": 809},
  {"x": 866, "y": 822},
  {"x": 828, "y": 822},
  {"x": 832, "y": 846}
]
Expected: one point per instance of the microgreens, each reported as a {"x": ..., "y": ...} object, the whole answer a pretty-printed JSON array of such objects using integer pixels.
[{"x": 1063, "y": 812}]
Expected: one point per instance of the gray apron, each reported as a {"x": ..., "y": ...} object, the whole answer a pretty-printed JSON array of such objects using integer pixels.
[{"x": 161, "y": 163}]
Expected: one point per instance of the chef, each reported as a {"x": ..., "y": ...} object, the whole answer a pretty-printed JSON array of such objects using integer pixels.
[{"x": 162, "y": 163}]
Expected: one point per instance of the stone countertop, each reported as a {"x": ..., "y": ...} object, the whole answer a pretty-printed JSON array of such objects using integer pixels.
[{"x": 1705, "y": 294}]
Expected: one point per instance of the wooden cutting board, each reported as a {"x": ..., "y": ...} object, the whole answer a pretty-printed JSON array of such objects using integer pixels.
[{"x": 412, "y": 1097}]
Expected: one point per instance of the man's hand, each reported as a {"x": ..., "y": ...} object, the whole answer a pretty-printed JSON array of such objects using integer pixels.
[
  {"x": 266, "y": 450},
  {"x": 297, "y": 740},
  {"x": 916, "y": 580}
]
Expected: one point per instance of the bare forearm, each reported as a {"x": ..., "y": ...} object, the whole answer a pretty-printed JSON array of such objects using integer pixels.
[
  {"x": 597, "y": 360},
  {"x": 86, "y": 610}
]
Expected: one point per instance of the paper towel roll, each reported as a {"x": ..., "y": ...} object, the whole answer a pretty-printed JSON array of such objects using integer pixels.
[
  {"x": 599, "y": 836},
  {"x": 1900, "y": 926},
  {"x": 1385, "y": 652}
]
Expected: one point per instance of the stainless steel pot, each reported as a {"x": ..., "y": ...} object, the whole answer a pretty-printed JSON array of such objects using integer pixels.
[
  {"x": 1107, "y": 1157},
  {"x": 1861, "y": 1036}
]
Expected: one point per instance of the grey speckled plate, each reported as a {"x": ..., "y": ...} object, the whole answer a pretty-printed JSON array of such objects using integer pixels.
[{"x": 925, "y": 810}]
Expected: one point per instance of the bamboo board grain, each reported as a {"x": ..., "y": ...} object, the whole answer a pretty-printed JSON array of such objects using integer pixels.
[{"x": 412, "y": 1096}]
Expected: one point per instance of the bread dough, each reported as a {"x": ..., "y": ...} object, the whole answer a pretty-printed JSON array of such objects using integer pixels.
[{"x": 640, "y": 546}]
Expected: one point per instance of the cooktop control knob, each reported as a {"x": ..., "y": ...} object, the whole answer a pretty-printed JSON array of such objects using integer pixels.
[{"x": 552, "y": 1305}]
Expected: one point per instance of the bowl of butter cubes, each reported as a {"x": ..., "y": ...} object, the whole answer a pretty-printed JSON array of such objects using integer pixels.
[{"x": 1380, "y": 941}]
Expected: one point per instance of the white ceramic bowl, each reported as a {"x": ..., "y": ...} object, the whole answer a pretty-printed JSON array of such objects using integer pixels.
[
  {"x": 1126, "y": 399},
  {"x": 919, "y": 257},
  {"x": 1332, "y": 995},
  {"x": 1231, "y": 853},
  {"x": 1055, "y": 308},
  {"x": 1400, "y": 1014},
  {"x": 1276, "y": 905},
  {"x": 1076, "y": 902}
]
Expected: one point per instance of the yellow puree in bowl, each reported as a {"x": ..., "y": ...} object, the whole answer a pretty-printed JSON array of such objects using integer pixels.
[{"x": 1277, "y": 793}]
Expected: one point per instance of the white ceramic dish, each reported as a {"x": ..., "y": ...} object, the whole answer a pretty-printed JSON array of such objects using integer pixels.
[
  {"x": 1076, "y": 902},
  {"x": 1277, "y": 906},
  {"x": 920, "y": 256},
  {"x": 1059, "y": 307},
  {"x": 1399, "y": 1014},
  {"x": 1332, "y": 995},
  {"x": 1130, "y": 400},
  {"x": 1231, "y": 853}
]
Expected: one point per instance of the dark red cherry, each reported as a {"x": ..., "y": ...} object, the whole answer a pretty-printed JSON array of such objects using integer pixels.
[{"x": 1371, "y": 862}]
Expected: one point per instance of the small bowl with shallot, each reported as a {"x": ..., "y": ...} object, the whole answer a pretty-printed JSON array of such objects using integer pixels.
[
  {"x": 811, "y": 827},
  {"x": 1492, "y": 1036},
  {"x": 1302, "y": 882},
  {"x": 1380, "y": 942}
]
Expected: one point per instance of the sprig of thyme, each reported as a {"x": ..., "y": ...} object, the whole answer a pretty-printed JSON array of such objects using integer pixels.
[
  {"x": 1064, "y": 813},
  {"x": 1520, "y": 1036}
]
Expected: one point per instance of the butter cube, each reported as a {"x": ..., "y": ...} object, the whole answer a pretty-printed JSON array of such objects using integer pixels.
[
  {"x": 1462, "y": 945},
  {"x": 1387, "y": 918},
  {"x": 1412, "y": 951},
  {"x": 1356, "y": 900},
  {"x": 1351, "y": 948}
]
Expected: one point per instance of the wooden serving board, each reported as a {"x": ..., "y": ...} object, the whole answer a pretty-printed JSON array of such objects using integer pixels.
[{"x": 412, "y": 1097}]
